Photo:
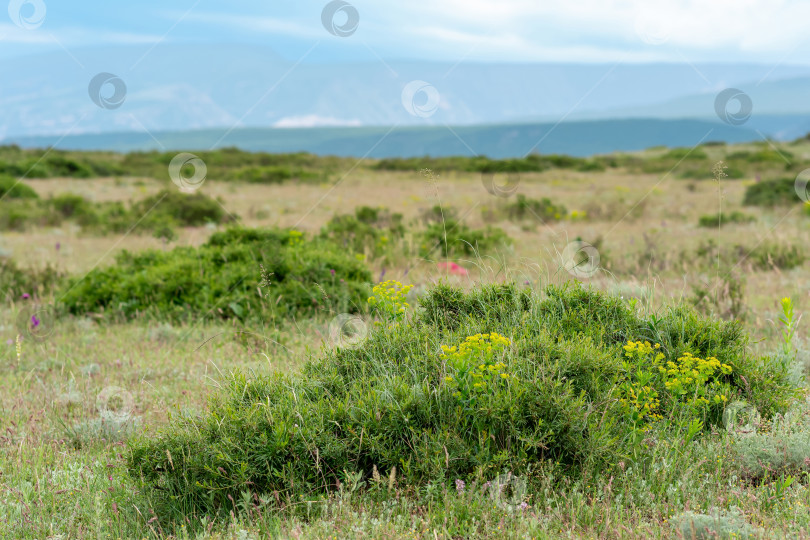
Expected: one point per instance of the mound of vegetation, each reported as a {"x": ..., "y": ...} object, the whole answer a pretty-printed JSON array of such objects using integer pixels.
[
  {"x": 472, "y": 384},
  {"x": 482, "y": 164},
  {"x": 229, "y": 164},
  {"x": 771, "y": 193},
  {"x": 369, "y": 231},
  {"x": 238, "y": 274},
  {"x": 455, "y": 239},
  {"x": 377, "y": 233},
  {"x": 762, "y": 256},
  {"x": 718, "y": 220},
  {"x": 11, "y": 188},
  {"x": 16, "y": 282},
  {"x": 526, "y": 208},
  {"x": 159, "y": 213}
]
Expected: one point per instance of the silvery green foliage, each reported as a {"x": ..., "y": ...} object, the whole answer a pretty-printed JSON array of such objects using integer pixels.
[
  {"x": 715, "y": 525},
  {"x": 783, "y": 449}
]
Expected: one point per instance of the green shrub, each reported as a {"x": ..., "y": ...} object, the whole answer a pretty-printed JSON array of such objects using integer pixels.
[
  {"x": 686, "y": 154},
  {"x": 19, "y": 214},
  {"x": 550, "y": 373},
  {"x": 274, "y": 175},
  {"x": 437, "y": 214},
  {"x": 455, "y": 239},
  {"x": 544, "y": 209},
  {"x": 160, "y": 212},
  {"x": 781, "y": 255},
  {"x": 769, "y": 155},
  {"x": 773, "y": 449},
  {"x": 16, "y": 281},
  {"x": 720, "y": 219},
  {"x": 762, "y": 256},
  {"x": 187, "y": 209},
  {"x": 59, "y": 165},
  {"x": 369, "y": 231},
  {"x": 11, "y": 188},
  {"x": 76, "y": 208},
  {"x": 771, "y": 193},
  {"x": 223, "y": 279},
  {"x": 717, "y": 525}
]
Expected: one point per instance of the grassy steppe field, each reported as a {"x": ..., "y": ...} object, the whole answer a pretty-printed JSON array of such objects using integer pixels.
[{"x": 170, "y": 372}]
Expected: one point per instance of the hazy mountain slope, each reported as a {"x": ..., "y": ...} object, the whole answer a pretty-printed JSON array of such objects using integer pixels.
[{"x": 181, "y": 87}]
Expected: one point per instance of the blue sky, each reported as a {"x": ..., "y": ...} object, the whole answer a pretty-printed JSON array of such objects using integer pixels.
[{"x": 769, "y": 31}]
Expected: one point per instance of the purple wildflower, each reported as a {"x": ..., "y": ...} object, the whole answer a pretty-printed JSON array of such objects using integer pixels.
[
  {"x": 460, "y": 485},
  {"x": 332, "y": 271},
  {"x": 58, "y": 245},
  {"x": 26, "y": 296},
  {"x": 34, "y": 321}
]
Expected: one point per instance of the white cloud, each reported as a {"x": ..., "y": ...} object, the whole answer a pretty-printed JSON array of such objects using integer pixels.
[
  {"x": 531, "y": 30},
  {"x": 260, "y": 24},
  {"x": 313, "y": 120},
  {"x": 10, "y": 33}
]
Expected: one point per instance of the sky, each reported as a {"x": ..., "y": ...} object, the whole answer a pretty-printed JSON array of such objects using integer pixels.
[{"x": 588, "y": 31}]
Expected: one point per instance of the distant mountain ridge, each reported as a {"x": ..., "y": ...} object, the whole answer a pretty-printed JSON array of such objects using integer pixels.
[{"x": 189, "y": 87}]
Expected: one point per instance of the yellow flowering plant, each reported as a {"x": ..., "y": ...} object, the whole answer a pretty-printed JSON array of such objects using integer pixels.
[
  {"x": 389, "y": 299},
  {"x": 476, "y": 365},
  {"x": 296, "y": 238},
  {"x": 690, "y": 382}
]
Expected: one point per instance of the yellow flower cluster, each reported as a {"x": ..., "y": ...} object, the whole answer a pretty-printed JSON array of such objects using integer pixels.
[
  {"x": 478, "y": 343},
  {"x": 638, "y": 349},
  {"x": 296, "y": 238},
  {"x": 389, "y": 298},
  {"x": 691, "y": 375},
  {"x": 474, "y": 364},
  {"x": 689, "y": 381}
]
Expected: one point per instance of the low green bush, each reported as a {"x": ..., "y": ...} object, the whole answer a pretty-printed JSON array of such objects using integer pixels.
[
  {"x": 720, "y": 219},
  {"x": 370, "y": 231},
  {"x": 771, "y": 193},
  {"x": 762, "y": 256},
  {"x": 239, "y": 274},
  {"x": 36, "y": 282},
  {"x": 159, "y": 213},
  {"x": 772, "y": 254},
  {"x": 470, "y": 385},
  {"x": 11, "y": 188},
  {"x": 544, "y": 209},
  {"x": 455, "y": 239},
  {"x": 187, "y": 209}
]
